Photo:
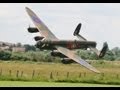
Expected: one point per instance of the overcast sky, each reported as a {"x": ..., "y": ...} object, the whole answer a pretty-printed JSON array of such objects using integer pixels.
[{"x": 100, "y": 21}]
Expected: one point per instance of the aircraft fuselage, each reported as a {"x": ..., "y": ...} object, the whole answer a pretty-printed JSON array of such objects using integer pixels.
[{"x": 70, "y": 44}]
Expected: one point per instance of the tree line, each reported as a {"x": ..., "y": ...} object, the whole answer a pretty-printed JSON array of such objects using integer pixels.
[{"x": 34, "y": 54}]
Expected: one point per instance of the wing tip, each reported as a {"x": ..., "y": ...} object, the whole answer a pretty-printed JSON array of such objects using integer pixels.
[
  {"x": 97, "y": 71},
  {"x": 27, "y": 8}
]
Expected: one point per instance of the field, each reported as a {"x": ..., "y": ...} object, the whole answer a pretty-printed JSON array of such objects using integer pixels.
[
  {"x": 59, "y": 73},
  {"x": 50, "y": 84}
]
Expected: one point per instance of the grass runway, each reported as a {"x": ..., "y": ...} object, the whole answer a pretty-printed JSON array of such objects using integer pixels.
[{"x": 49, "y": 84}]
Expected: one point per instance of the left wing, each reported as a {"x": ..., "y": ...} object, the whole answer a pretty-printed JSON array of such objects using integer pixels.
[
  {"x": 43, "y": 29},
  {"x": 50, "y": 36}
]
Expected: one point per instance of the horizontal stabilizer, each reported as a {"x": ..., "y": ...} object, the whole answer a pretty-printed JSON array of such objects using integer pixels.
[
  {"x": 101, "y": 53},
  {"x": 80, "y": 37}
]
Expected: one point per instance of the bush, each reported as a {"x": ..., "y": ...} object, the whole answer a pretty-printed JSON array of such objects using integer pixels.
[{"x": 5, "y": 55}]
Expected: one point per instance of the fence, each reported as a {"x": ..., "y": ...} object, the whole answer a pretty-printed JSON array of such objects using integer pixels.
[{"x": 53, "y": 75}]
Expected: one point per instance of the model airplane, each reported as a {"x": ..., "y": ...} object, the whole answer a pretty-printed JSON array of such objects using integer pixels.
[{"x": 63, "y": 48}]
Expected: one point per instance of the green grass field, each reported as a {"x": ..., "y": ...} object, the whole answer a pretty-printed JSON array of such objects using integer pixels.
[
  {"x": 38, "y": 72},
  {"x": 49, "y": 84}
]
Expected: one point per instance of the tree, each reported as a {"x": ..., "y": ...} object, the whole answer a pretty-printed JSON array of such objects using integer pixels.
[
  {"x": 18, "y": 44},
  {"x": 109, "y": 56},
  {"x": 29, "y": 47},
  {"x": 5, "y": 55}
]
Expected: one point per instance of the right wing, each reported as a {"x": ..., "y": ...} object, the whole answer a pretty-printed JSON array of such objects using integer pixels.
[{"x": 76, "y": 58}]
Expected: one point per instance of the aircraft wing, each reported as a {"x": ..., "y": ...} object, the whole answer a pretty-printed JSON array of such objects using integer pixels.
[
  {"x": 44, "y": 31},
  {"x": 76, "y": 58}
]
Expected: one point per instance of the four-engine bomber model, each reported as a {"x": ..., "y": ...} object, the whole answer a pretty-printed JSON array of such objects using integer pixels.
[{"x": 63, "y": 48}]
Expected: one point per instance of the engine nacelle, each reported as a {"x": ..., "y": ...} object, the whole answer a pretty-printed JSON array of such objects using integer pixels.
[
  {"x": 67, "y": 61},
  {"x": 38, "y": 44},
  {"x": 44, "y": 46},
  {"x": 57, "y": 54},
  {"x": 33, "y": 30},
  {"x": 37, "y": 38}
]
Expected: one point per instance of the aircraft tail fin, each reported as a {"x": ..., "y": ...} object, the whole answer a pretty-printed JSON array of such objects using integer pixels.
[
  {"x": 103, "y": 50},
  {"x": 76, "y": 32}
]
